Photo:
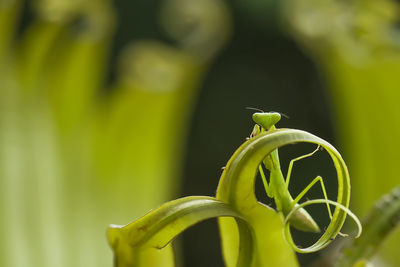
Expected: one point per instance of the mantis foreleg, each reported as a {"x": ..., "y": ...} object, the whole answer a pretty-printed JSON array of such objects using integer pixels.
[{"x": 265, "y": 182}]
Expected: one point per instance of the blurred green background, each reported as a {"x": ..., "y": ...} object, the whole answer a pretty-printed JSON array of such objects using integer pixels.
[{"x": 109, "y": 108}]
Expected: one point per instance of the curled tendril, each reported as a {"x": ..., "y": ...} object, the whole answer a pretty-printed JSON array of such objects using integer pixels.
[
  {"x": 238, "y": 179},
  {"x": 322, "y": 241}
]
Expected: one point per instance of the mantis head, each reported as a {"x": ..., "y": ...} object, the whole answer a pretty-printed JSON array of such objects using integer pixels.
[{"x": 266, "y": 120}]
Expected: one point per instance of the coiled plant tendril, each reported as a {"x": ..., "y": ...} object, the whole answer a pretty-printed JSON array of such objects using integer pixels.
[{"x": 236, "y": 186}]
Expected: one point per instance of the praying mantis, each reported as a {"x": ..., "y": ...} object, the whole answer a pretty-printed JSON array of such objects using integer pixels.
[{"x": 277, "y": 188}]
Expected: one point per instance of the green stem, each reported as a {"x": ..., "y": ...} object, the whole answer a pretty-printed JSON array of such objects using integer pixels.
[{"x": 379, "y": 223}]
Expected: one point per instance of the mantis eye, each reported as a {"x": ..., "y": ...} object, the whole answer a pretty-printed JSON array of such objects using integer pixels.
[{"x": 266, "y": 120}]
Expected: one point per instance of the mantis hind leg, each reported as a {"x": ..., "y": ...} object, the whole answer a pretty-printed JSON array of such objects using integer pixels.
[
  {"x": 317, "y": 179},
  {"x": 296, "y": 159},
  {"x": 305, "y": 190}
]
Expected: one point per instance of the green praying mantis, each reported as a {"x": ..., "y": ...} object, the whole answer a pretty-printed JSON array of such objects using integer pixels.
[{"x": 277, "y": 188}]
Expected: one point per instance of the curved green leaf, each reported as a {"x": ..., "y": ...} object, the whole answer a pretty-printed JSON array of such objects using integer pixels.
[
  {"x": 236, "y": 187},
  {"x": 145, "y": 242}
]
